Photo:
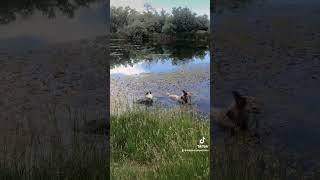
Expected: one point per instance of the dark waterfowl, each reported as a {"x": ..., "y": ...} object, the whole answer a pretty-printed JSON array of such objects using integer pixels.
[{"x": 147, "y": 100}]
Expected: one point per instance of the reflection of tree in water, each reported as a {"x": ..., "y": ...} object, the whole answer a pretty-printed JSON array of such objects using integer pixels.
[
  {"x": 10, "y": 9},
  {"x": 179, "y": 53},
  {"x": 222, "y": 5}
]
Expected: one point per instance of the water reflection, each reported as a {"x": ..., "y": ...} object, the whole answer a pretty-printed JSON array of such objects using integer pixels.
[
  {"x": 230, "y": 5},
  {"x": 29, "y": 24},
  {"x": 158, "y": 64},
  {"x": 273, "y": 55},
  {"x": 135, "y": 59},
  {"x": 129, "y": 70},
  {"x": 12, "y": 9},
  {"x": 166, "y": 67}
]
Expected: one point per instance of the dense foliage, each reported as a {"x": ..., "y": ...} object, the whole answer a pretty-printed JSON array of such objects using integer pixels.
[{"x": 140, "y": 26}]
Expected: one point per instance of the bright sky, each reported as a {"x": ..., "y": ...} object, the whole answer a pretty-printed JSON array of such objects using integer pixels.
[{"x": 198, "y": 6}]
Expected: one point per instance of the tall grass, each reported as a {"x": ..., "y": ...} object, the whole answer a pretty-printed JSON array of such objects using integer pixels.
[
  {"x": 147, "y": 144},
  {"x": 39, "y": 160},
  {"x": 52, "y": 154},
  {"x": 243, "y": 158}
]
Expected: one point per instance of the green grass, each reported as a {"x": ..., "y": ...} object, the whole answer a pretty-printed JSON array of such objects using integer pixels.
[
  {"x": 241, "y": 158},
  {"x": 148, "y": 145},
  {"x": 52, "y": 154},
  {"x": 52, "y": 160}
]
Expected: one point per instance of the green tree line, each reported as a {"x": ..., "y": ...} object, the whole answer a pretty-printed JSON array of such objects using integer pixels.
[{"x": 141, "y": 25}]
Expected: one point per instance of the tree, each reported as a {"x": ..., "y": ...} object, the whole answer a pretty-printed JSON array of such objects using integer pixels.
[
  {"x": 162, "y": 17},
  {"x": 137, "y": 31},
  {"x": 120, "y": 18},
  {"x": 168, "y": 27},
  {"x": 183, "y": 19},
  {"x": 203, "y": 23},
  {"x": 152, "y": 22},
  {"x": 139, "y": 25}
]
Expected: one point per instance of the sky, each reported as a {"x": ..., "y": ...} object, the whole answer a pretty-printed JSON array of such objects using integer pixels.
[{"x": 199, "y": 6}]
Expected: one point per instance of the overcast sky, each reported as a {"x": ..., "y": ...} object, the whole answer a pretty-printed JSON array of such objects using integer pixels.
[{"x": 198, "y": 6}]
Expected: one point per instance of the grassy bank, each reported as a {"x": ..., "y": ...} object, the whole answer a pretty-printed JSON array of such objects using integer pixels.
[
  {"x": 148, "y": 145},
  {"x": 243, "y": 158},
  {"x": 39, "y": 157},
  {"x": 56, "y": 153}
]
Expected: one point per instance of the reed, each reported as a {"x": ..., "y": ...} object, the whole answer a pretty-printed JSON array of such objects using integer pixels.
[{"x": 148, "y": 143}]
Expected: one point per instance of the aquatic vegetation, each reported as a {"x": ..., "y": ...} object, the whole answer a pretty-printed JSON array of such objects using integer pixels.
[{"x": 196, "y": 80}]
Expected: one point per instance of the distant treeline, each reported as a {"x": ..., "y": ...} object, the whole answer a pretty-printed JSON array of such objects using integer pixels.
[{"x": 139, "y": 26}]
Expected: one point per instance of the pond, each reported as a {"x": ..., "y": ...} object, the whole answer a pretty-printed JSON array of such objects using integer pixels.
[
  {"x": 42, "y": 54},
  {"x": 270, "y": 49},
  {"x": 161, "y": 69},
  {"x": 32, "y": 24},
  {"x": 52, "y": 67}
]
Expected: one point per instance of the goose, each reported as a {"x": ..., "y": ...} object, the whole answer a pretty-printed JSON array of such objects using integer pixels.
[
  {"x": 147, "y": 100},
  {"x": 185, "y": 98}
]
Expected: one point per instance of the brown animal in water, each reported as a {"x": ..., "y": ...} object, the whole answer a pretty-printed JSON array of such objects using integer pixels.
[
  {"x": 236, "y": 116},
  {"x": 185, "y": 98}
]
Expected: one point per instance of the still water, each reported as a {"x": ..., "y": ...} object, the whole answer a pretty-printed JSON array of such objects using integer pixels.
[
  {"x": 46, "y": 49},
  {"x": 162, "y": 69},
  {"x": 270, "y": 49},
  {"x": 52, "y": 90},
  {"x": 32, "y": 24}
]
